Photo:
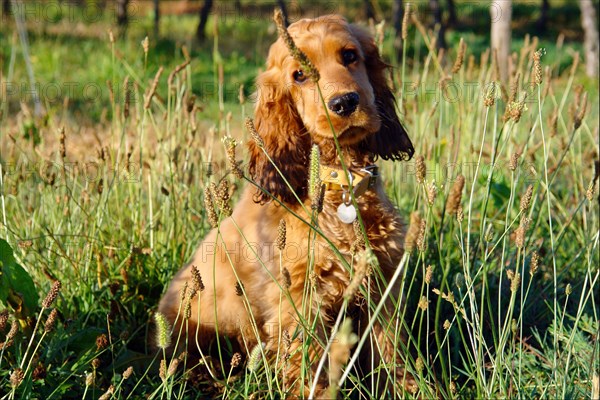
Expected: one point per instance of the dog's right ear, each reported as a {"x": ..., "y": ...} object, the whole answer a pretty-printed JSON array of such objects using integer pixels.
[{"x": 285, "y": 140}]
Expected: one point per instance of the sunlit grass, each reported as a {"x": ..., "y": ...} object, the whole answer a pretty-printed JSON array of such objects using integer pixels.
[{"x": 113, "y": 217}]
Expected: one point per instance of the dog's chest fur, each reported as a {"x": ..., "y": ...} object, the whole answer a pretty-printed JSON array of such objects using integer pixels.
[{"x": 384, "y": 230}]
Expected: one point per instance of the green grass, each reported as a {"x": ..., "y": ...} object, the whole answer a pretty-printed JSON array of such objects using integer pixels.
[{"x": 114, "y": 228}]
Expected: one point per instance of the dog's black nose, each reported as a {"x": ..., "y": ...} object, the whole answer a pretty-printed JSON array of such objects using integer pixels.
[{"x": 345, "y": 104}]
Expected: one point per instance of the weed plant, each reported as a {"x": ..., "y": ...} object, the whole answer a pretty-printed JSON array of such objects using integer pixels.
[{"x": 501, "y": 204}]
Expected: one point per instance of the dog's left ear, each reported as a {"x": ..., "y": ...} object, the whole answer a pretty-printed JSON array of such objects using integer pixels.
[{"x": 392, "y": 141}]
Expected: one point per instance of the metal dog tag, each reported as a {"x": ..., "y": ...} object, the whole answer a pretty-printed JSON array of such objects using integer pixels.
[{"x": 346, "y": 213}]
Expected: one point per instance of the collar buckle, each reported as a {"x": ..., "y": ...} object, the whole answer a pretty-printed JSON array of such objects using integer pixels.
[{"x": 372, "y": 171}]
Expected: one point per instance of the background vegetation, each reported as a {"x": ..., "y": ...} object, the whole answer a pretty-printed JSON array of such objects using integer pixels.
[{"x": 103, "y": 192}]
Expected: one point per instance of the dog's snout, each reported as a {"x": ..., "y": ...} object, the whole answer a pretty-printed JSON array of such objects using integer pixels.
[{"x": 345, "y": 104}]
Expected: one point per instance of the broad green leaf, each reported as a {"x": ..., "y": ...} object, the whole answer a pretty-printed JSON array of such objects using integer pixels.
[{"x": 17, "y": 289}]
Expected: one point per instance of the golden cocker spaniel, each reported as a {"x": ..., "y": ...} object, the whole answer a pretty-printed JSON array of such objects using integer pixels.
[{"x": 257, "y": 292}]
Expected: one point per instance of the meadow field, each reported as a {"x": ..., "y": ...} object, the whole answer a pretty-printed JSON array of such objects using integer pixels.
[{"x": 103, "y": 183}]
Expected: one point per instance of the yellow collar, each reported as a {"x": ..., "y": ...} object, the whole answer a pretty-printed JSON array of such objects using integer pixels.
[{"x": 361, "y": 180}]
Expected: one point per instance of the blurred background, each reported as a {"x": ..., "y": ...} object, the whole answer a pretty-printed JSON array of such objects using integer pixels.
[{"x": 63, "y": 46}]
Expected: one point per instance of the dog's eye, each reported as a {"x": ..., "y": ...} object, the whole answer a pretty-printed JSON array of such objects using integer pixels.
[
  {"x": 299, "y": 76},
  {"x": 349, "y": 56}
]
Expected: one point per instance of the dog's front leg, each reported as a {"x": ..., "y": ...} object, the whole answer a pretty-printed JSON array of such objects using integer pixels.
[{"x": 296, "y": 333}]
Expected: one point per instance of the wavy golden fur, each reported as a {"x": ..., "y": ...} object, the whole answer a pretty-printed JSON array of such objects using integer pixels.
[{"x": 276, "y": 296}]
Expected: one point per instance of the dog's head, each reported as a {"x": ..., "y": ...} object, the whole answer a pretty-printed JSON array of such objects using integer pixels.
[{"x": 352, "y": 100}]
